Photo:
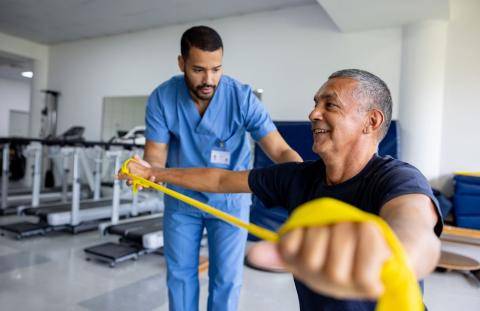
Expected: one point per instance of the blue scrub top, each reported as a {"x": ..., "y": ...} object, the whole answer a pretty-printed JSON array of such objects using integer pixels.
[{"x": 172, "y": 118}]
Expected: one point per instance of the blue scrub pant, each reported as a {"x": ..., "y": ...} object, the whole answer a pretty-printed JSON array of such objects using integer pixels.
[{"x": 183, "y": 230}]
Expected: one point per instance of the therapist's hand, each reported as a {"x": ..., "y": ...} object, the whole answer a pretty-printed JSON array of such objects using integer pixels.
[
  {"x": 138, "y": 167},
  {"x": 343, "y": 260}
]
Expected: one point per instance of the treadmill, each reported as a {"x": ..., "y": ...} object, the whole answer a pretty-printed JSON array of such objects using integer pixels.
[
  {"x": 138, "y": 236},
  {"x": 76, "y": 216},
  {"x": 12, "y": 198}
]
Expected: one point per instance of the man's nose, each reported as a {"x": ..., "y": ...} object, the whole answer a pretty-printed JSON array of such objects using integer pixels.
[
  {"x": 208, "y": 77},
  {"x": 316, "y": 114}
]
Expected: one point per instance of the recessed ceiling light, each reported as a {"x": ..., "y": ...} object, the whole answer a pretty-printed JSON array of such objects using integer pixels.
[{"x": 27, "y": 74}]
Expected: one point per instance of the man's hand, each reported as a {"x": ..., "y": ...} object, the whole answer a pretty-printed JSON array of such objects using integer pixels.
[
  {"x": 138, "y": 167},
  {"x": 343, "y": 260}
]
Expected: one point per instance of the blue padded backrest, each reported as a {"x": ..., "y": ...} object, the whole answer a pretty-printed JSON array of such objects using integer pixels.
[
  {"x": 390, "y": 145},
  {"x": 298, "y": 135}
]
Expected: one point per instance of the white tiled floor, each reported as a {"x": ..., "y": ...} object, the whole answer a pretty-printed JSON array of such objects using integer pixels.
[
  {"x": 454, "y": 291},
  {"x": 51, "y": 273}
]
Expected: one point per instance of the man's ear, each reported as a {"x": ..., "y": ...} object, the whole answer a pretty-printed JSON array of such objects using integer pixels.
[
  {"x": 181, "y": 63},
  {"x": 374, "y": 121}
]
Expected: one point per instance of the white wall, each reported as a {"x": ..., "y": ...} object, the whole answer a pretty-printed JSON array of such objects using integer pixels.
[
  {"x": 460, "y": 138},
  {"x": 14, "y": 95},
  {"x": 39, "y": 54},
  {"x": 122, "y": 114},
  {"x": 289, "y": 53},
  {"x": 421, "y": 94}
]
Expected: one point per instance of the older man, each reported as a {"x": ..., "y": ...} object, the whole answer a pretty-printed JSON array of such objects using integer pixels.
[{"x": 337, "y": 267}]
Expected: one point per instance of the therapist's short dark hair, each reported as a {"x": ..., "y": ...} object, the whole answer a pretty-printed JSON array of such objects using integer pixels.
[{"x": 201, "y": 37}]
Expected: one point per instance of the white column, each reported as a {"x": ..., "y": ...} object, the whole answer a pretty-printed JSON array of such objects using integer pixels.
[
  {"x": 422, "y": 94},
  {"x": 39, "y": 83}
]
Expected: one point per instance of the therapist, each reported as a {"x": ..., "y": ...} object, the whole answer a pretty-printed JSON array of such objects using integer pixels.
[{"x": 200, "y": 119}]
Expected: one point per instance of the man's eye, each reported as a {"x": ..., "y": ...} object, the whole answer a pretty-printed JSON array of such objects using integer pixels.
[
  {"x": 197, "y": 70},
  {"x": 330, "y": 105}
]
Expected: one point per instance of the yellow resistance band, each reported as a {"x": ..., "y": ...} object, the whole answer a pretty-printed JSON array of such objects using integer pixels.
[{"x": 401, "y": 288}]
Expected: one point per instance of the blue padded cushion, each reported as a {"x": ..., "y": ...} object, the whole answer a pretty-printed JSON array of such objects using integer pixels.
[
  {"x": 466, "y": 204},
  {"x": 466, "y": 201},
  {"x": 472, "y": 180},
  {"x": 467, "y": 188},
  {"x": 470, "y": 221}
]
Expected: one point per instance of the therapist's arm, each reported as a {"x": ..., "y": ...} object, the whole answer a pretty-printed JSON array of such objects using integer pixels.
[
  {"x": 155, "y": 153},
  {"x": 198, "y": 179},
  {"x": 277, "y": 149}
]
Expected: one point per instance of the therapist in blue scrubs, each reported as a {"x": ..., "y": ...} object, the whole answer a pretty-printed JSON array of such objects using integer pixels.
[{"x": 200, "y": 119}]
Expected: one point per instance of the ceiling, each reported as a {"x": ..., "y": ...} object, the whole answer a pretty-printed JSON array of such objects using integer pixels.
[
  {"x": 53, "y": 21},
  {"x": 356, "y": 15}
]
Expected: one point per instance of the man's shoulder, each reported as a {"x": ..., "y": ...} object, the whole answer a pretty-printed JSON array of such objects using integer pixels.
[
  {"x": 387, "y": 172},
  {"x": 391, "y": 165}
]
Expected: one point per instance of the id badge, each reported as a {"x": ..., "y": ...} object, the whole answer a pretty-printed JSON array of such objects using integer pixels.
[{"x": 220, "y": 155}]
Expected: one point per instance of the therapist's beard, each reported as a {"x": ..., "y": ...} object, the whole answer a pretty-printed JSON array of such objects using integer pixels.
[{"x": 196, "y": 89}]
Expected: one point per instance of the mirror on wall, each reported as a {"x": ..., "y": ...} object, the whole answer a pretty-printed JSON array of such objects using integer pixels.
[
  {"x": 18, "y": 123},
  {"x": 121, "y": 114}
]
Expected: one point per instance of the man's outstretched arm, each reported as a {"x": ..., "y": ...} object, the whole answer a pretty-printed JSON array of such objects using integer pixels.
[
  {"x": 412, "y": 217},
  {"x": 344, "y": 260},
  {"x": 198, "y": 179}
]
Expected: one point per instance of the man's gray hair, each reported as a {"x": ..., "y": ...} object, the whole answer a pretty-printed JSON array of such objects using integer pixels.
[{"x": 374, "y": 91}]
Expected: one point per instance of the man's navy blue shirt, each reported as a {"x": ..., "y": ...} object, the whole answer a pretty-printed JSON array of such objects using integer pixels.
[{"x": 382, "y": 179}]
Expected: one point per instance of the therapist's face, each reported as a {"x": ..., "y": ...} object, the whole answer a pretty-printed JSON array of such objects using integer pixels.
[{"x": 203, "y": 71}]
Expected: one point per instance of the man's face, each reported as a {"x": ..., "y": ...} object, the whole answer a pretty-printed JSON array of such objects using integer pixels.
[
  {"x": 338, "y": 118},
  {"x": 203, "y": 71}
]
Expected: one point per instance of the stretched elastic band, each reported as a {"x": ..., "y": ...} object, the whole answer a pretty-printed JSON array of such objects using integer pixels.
[{"x": 401, "y": 288}]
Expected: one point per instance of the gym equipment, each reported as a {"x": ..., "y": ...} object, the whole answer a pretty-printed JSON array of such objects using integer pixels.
[
  {"x": 22, "y": 197},
  {"x": 35, "y": 147},
  {"x": 450, "y": 262},
  {"x": 461, "y": 235},
  {"x": 402, "y": 291},
  {"x": 136, "y": 135},
  {"x": 49, "y": 114},
  {"x": 455, "y": 262},
  {"x": 12, "y": 199},
  {"x": 48, "y": 127},
  {"x": 77, "y": 216},
  {"x": 138, "y": 236}
]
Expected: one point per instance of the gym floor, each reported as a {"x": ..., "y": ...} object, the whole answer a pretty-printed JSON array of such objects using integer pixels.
[{"x": 51, "y": 273}]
